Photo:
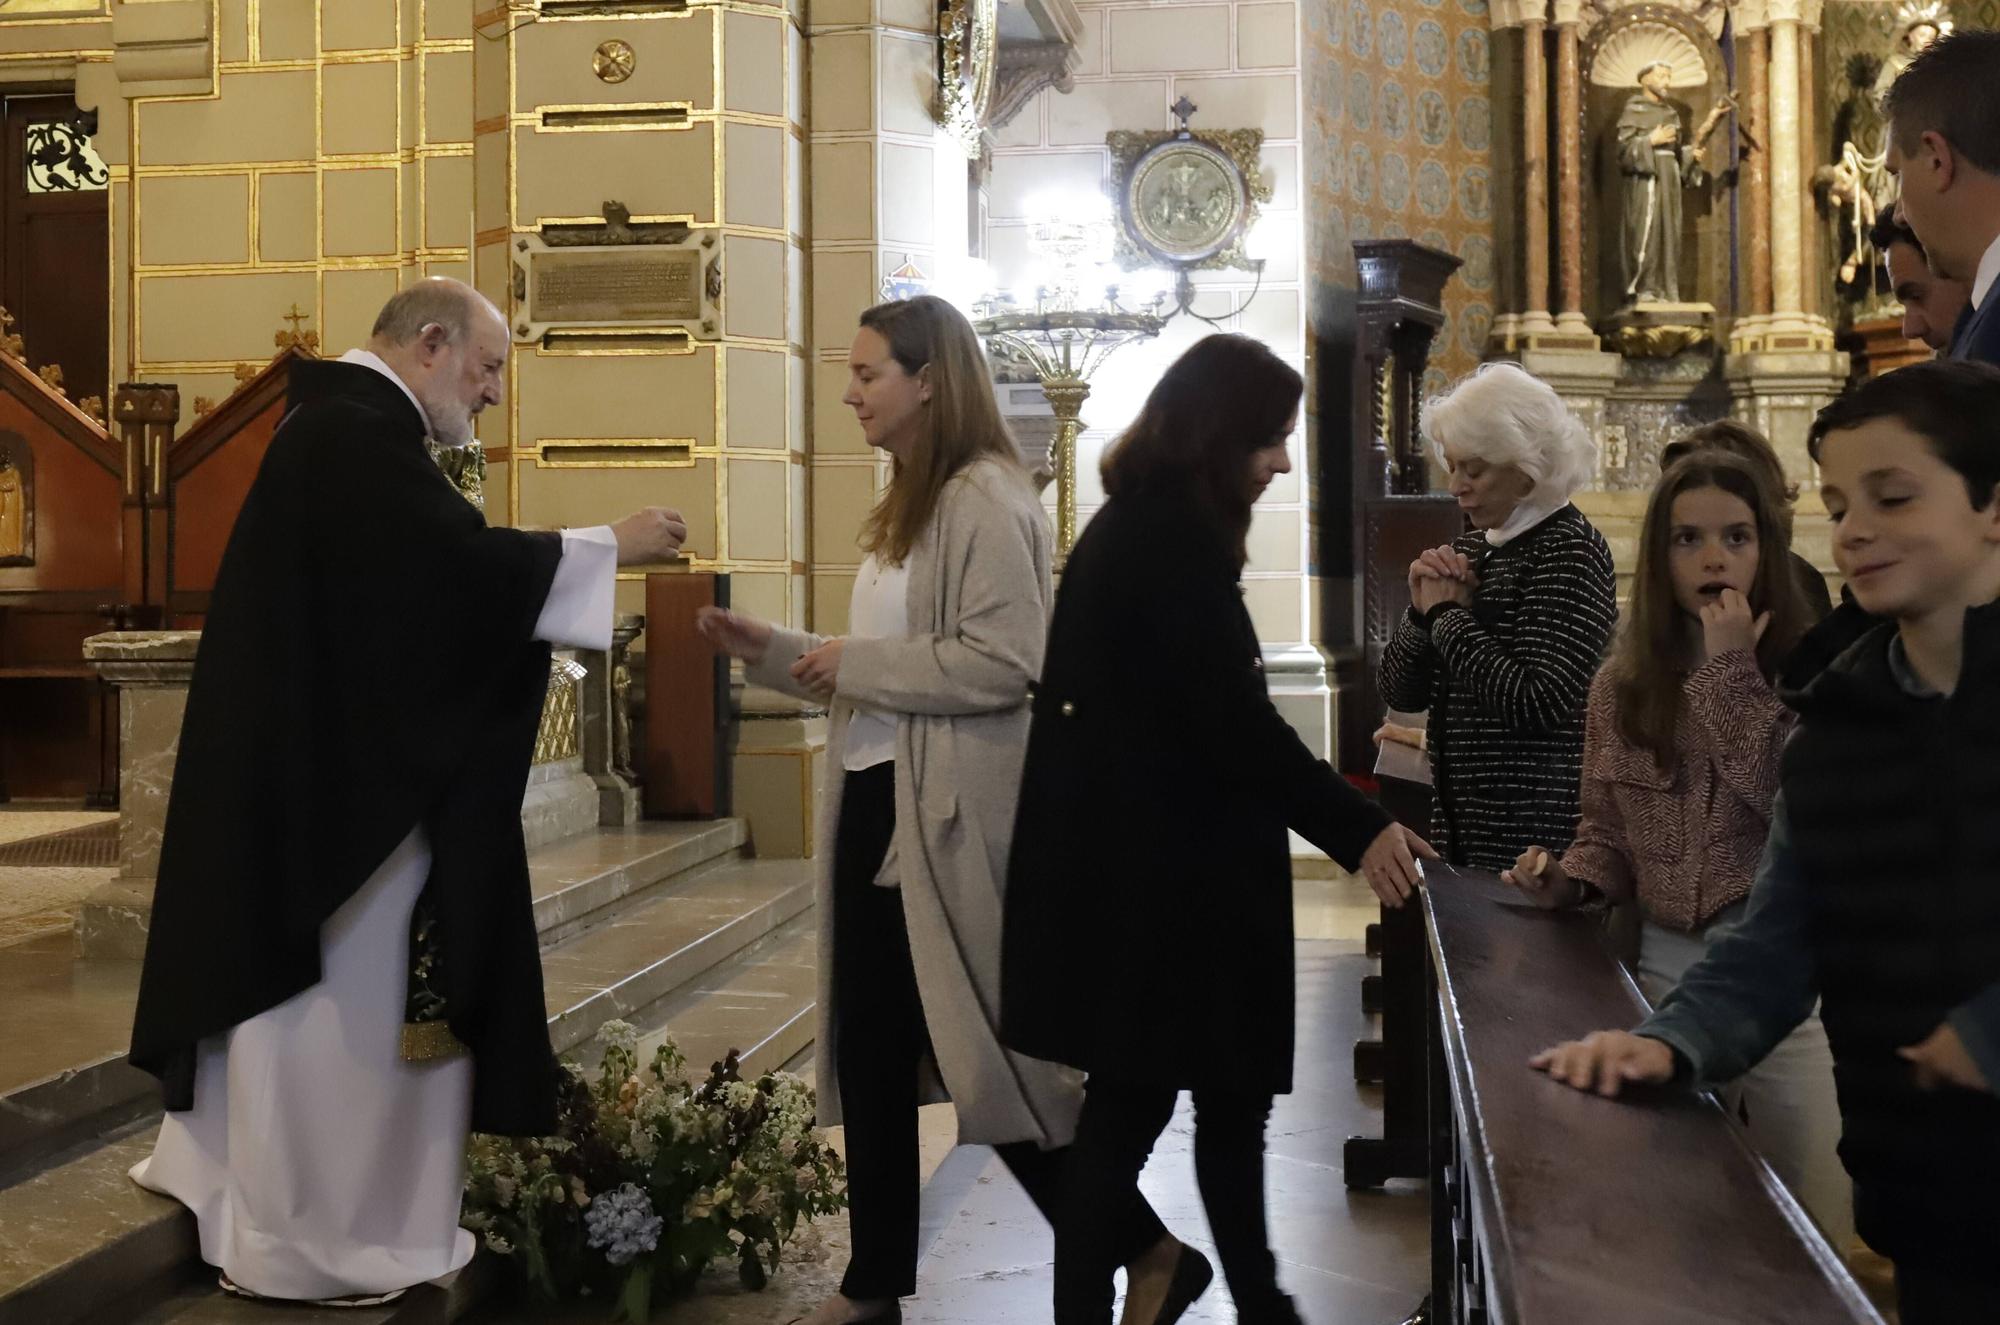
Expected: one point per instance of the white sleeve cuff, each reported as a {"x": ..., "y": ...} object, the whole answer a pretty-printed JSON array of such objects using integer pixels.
[{"x": 578, "y": 611}]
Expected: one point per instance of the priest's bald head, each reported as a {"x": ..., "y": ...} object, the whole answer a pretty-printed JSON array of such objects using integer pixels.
[{"x": 449, "y": 345}]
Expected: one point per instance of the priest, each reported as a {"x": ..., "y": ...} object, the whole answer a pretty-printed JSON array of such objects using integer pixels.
[{"x": 342, "y": 974}]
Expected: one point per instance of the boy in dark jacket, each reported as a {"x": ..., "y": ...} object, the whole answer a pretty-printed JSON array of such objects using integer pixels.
[{"x": 1879, "y": 892}]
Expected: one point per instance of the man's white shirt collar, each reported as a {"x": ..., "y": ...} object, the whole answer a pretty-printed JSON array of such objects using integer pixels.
[
  {"x": 369, "y": 359},
  {"x": 1989, "y": 271}
]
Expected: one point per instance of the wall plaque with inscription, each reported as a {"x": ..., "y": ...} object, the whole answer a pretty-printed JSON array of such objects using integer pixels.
[{"x": 574, "y": 283}]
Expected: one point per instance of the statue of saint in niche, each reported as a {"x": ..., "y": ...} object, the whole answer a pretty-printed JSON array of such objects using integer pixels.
[
  {"x": 1656, "y": 160},
  {"x": 14, "y": 506}
]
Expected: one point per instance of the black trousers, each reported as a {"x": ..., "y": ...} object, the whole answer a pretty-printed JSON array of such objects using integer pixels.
[
  {"x": 1121, "y": 1122},
  {"x": 1926, "y": 1295},
  {"x": 882, "y": 1042}
]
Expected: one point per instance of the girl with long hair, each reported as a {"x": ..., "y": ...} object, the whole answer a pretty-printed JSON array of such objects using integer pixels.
[
  {"x": 1149, "y": 899},
  {"x": 1680, "y": 771},
  {"x": 927, "y": 729}
]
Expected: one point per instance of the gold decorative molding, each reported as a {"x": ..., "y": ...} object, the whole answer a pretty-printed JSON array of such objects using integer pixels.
[
  {"x": 968, "y": 41},
  {"x": 557, "y": 738},
  {"x": 614, "y": 61}
]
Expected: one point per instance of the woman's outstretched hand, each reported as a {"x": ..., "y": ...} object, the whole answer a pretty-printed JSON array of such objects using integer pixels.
[
  {"x": 733, "y": 633},
  {"x": 1390, "y": 867}
]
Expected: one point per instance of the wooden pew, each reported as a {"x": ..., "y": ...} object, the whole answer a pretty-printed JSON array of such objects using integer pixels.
[
  {"x": 61, "y": 581},
  {"x": 1549, "y": 1205}
]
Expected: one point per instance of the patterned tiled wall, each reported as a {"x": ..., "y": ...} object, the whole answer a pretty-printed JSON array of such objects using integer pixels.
[{"x": 1399, "y": 143}]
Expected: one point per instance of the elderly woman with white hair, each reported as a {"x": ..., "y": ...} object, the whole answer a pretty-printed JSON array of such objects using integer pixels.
[{"x": 1507, "y": 625}]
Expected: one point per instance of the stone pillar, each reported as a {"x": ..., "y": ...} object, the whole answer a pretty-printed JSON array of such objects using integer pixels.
[
  {"x": 1790, "y": 327},
  {"x": 1535, "y": 170},
  {"x": 151, "y": 670},
  {"x": 1754, "y": 190},
  {"x": 1526, "y": 317},
  {"x": 1569, "y": 171}
]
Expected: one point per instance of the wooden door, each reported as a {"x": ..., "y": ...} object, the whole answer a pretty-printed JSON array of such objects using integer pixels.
[{"x": 55, "y": 251}]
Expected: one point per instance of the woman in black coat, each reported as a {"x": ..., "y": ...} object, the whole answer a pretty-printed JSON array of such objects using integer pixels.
[{"x": 1148, "y": 929}]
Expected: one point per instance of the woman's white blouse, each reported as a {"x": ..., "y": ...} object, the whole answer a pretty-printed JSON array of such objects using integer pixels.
[{"x": 880, "y": 609}]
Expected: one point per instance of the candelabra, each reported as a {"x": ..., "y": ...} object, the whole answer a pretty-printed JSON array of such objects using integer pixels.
[{"x": 1065, "y": 325}]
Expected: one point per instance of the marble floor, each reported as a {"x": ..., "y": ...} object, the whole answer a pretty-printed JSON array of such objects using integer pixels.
[
  {"x": 37, "y": 901},
  {"x": 1348, "y": 1258}
]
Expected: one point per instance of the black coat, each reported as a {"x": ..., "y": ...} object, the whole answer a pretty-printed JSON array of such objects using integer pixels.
[
  {"x": 368, "y": 665},
  {"x": 1149, "y": 897}
]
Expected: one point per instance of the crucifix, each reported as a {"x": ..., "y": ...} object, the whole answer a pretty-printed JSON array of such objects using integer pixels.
[{"x": 1182, "y": 110}]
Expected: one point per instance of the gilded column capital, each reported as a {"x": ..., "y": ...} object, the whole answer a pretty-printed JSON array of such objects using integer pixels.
[
  {"x": 1566, "y": 13},
  {"x": 1751, "y": 15},
  {"x": 1516, "y": 13},
  {"x": 1810, "y": 12}
]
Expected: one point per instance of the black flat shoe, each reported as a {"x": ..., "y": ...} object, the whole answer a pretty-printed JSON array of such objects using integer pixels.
[{"x": 1192, "y": 1276}]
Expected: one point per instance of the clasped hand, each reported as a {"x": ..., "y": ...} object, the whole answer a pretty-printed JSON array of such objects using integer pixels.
[{"x": 1442, "y": 575}]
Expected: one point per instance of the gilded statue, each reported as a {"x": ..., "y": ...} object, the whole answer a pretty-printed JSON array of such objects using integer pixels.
[
  {"x": 13, "y": 507},
  {"x": 1657, "y": 159}
]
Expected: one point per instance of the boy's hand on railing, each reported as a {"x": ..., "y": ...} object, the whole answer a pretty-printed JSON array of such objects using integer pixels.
[
  {"x": 1941, "y": 1060},
  {"x": 1604, "y": 1061},
  {"x": 1541, "y": 878}
]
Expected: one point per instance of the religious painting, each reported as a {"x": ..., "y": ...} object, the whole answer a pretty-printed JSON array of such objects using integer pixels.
[{"x": 17, "y": 501}]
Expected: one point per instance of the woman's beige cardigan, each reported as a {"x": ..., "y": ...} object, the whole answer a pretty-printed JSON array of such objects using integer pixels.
[{"x": 979, "y": 602}]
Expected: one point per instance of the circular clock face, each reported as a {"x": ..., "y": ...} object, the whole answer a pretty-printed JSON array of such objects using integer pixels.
[{"x": 1186, "y": 200}]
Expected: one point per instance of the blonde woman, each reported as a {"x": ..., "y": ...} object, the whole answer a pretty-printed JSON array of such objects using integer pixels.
[{"x": 928, "y": 729}]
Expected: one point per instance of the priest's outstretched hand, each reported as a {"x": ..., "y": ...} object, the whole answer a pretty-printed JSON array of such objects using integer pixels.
[{"x": 652, "y": 535}]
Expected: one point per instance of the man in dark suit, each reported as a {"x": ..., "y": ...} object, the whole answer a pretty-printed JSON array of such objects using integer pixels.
[
  {"x": 1934, "y": 306},
  {"x": 1944, "y": 146}
]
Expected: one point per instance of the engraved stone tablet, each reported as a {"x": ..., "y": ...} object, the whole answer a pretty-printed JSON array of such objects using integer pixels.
[{"x": 605, "y": 284}]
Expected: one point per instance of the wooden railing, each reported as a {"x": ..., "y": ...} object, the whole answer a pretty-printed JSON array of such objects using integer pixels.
[{"x": 1550, "y": 1206}]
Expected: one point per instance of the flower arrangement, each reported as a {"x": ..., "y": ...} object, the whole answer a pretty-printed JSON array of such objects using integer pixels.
[{"x": 650, "y": 1176}]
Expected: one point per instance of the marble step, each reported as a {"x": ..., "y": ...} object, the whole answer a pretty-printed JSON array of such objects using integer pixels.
[
  {"x": 760, "y": 1004},
  {"x": 723, "y": 957},
  {"x": 647, "y": 952},
  {"x": 63, "y": 1075},
  {"x": 583, "y": 881}
]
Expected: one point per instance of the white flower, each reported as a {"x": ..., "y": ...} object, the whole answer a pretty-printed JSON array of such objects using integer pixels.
[
  {"x": 499, "y": 1244},
  {"x": 617, "y": 1034},
  {"x": 504, "y": 1189}
]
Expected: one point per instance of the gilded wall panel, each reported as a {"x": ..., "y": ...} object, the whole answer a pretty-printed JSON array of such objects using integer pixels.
[
  {"x": 674, "y": 61},
  {"x": 362, "y": 108},
  {"x": 842, "y": 497},
  {"x": 448, "y": 20},
  {"x": 447, "y": 201},
  {"x": 221, "y": 318},
  {"x": 909, "y": 74},
  {"x": 360, "y": 208},
  {"x": 194, "y": 219},
  {"x": 446, "y": 79},
  {"x": 489, "y": 181},
  {"x": 357, "y": 25},
  {"x": 569, "y": 395},
  {"x": 843, "y": 199},
  {"x": 261, "y": 115},
  {"x": 753, "y": 175},
  {"x": 757, "y": 524},
  {"x": 908, "y": 189},
  {"x": 568, "y": 498},
  {"x": 655, "y": 172},
  {"x": 831, "y": 594},
  {"x": 756, "y": 394},
  {"x": 286, "y": 30},
  {"x": 760, "y": 593},
  {"x": 350, "y": 301},
  {"x": 232, "y": 31},
  {"x": 834, "y": 431},
  {"x": 753, "y": 63},
  {"x": 842, "y": 87},
  {"x": 756, "y": 267},
  {"x": 844, "y": 283}
]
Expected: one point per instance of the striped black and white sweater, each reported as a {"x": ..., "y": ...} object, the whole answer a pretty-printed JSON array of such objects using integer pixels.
[{"x": 1507, "y": 682}]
